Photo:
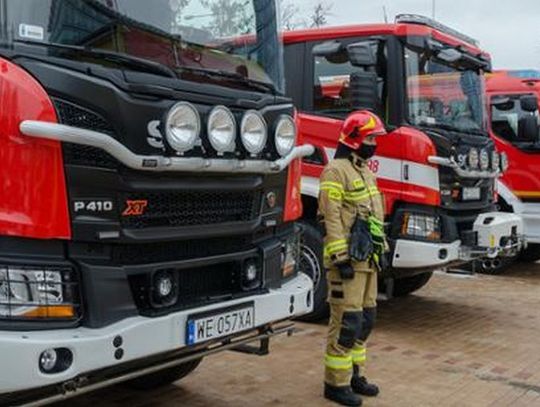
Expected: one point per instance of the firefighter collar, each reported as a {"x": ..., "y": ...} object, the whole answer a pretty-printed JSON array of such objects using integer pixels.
[{"x": 356, "y": 161}]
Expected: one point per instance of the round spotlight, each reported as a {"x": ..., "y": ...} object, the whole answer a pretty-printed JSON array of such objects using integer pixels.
[
  {"x": 285, "y": 137},
  {"x": 165, "y": 289},
  {"x": 251, "y": 272},
  {"x": 164, "y": 285},
  {"x": 495, "y": 161},
  {"x": 183, "y": 127},
  {"x": 484, "y": 160},
  {"x": 254, "y": 132},
  {"x": 48, "y": 360},
  {"x": 222, "y": 129},
  {"x": 474, "y": 158}
]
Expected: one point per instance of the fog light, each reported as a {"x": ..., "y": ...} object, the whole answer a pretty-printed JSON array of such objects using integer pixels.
[
  {"x": 164, "y": 288},
  {"x": 250, "y": 276},
  {"x": 48, "y": 360}
]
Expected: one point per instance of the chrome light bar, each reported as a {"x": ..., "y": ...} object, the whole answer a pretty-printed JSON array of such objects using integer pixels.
[{"x": 156, "y": 163}]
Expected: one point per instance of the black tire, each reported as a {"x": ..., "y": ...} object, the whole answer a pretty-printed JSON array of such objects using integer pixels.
[
  {"x": 311, "y": 263},
  {"x": 163, "y": 377},
  {"x": 407, "y": 285},
  {"x": 531, "y": 254}
]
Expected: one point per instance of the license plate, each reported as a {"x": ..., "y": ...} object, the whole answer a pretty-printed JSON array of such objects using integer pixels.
[
  {"x": 471, "y": 194},
  {"x": 204, "y": 327}
]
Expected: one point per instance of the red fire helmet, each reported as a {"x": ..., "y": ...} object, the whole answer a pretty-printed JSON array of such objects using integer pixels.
[{"x": 358, "y": 126}]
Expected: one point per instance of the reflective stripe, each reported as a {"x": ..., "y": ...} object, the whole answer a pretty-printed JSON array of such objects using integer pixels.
[
  {"x": 359, "y": 355},
  {"x": 334, "y": 189},
  {"x": 356, "y": 196},
  {"x": 327, "y": 184},
  {"x": 336, "y": 246},
  {"x": 338, "y": 362}
]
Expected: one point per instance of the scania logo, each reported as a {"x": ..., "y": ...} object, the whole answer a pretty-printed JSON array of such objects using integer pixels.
[
  {"x": 135, "y": 208},
  {"x": 155, "y": 139}
]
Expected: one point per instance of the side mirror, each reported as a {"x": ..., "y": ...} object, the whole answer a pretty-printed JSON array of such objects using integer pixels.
[
  {"x": 364, "y": 91},
  {"x": 327, "y": 48},
  {"x": 362, "y": 54},
  {"x": 503, "y": 103},
  {"x": 528, "y": 129},
  {"x": 529, "y": 103}
]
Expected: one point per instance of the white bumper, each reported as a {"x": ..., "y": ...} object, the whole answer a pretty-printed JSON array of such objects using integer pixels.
[
  {"x": 93, "y": 349},
  {"x": 530, "y": 212},
  {"x": 498, "y": 234}
]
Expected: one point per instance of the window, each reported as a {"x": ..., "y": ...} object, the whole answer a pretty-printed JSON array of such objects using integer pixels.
[
  {"x": 332, "y": 93},
  {"x": 508, "y": 118}
]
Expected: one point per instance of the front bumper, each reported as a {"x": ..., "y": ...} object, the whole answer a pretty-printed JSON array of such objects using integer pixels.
[
  {"x": 496, "y": 234},
  {"x": 142, "y": 337}
]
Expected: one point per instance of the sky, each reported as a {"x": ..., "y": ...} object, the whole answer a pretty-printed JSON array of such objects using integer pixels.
[{"x": 508, "y": 29}]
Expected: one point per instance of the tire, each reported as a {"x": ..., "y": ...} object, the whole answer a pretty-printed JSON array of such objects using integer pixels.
[
  {"x": 311, "y": 263},
  {"x": 163, "y": 377},
  {"x": 407, "y": 285},
  {"x": 531, "y": 254}
]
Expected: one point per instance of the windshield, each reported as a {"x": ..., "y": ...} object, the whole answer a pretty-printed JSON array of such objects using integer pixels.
[
  {"x": 184, "y": 35},
  {"x": 445, "y": 96}
]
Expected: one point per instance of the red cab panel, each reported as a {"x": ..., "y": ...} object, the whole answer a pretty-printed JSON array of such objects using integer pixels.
[{"x": 33, "y": 197}]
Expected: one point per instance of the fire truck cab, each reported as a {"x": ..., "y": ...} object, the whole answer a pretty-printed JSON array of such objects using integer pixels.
[
  {"x": 437, "y": 166},
  {"x": 149, "y": 187},
  {"x": 513, "y": 98}
]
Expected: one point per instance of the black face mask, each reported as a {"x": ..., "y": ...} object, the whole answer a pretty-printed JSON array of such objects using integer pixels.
[{"x": 366, "y": 151}]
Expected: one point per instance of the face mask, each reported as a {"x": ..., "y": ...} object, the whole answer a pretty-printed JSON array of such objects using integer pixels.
[{"x": 366, "y": 151}]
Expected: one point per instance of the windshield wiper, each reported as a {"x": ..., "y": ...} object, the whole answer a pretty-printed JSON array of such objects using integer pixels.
[
  {"x": 449, "y": 127},
  {"x": 111, "y": 56},
  {"x": 229, "y": 75}
]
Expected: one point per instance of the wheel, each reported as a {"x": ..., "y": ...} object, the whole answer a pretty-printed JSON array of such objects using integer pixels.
[
  {"x": 311, "y": 263},
  {"x": 494, "y": 266},
  {"x": 531, "y": 254},
  {"x": 163, "y": 377},
  {"x": 407, "y": 285}
]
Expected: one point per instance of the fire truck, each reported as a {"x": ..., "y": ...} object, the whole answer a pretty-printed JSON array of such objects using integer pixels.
[
  {"x": 150, "y": 184},
  {"x": 513, "y": 103},
  {"x": 437, "y": 167}
]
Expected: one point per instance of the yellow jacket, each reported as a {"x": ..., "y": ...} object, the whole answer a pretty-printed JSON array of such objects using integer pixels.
[{"x": 348, "y": 189}]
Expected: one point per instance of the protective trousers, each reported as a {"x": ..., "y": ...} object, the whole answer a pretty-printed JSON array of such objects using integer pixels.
[{"x": 352, "y": 315}]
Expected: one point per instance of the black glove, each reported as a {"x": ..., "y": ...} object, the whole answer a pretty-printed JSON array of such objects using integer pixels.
[{"x": 346, "y": 271}]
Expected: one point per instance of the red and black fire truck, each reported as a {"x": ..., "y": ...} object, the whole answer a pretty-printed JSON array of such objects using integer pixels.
[
  {"x": 513, "y": 98},
  {"x": 437, "y": 167},
  {"x": 149, "y": 183}
]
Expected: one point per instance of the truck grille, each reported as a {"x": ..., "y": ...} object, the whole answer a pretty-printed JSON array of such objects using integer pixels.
[
  {"x": 191, "y": 208},
  {"x": 196, "y": 287},
  {"x": 131, "y": 254}
]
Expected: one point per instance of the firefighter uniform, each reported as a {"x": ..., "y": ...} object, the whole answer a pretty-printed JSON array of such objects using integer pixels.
[{"x": 348, "y": 190}]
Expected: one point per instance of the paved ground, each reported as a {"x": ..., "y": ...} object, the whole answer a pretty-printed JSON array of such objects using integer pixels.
[{"x": 458, "y": 342}]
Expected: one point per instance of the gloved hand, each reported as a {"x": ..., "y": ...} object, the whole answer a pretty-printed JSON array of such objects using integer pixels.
[{"x": 346, "y": 271}]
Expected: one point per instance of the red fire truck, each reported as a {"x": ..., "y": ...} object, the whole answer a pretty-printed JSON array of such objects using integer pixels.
[
  {"x": 149, "y": 187},
  {"x": 513, "y": 101},
  {"x": 437, "y": 167}
]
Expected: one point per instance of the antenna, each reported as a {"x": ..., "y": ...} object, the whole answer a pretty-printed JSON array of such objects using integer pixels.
[{"x": 385, "y": 14}]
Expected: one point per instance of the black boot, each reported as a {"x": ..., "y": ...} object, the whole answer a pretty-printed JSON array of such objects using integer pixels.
[
  {"x": 360, "y": 385},
  {"x": 342, "y": 395}
]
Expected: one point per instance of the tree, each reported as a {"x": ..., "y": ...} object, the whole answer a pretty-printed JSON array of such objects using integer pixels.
[
  {"x": 289, "y": 16},
  {"x": 230, "y": 17},
  {"x": 320, "y": 13}
]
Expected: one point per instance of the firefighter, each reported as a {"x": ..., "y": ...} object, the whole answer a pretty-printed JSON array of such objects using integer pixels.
[{"x": 352, "y": 211}]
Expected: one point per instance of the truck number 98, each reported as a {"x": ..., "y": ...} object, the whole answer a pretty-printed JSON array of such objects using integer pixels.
[{"x": 373, "y": 165}]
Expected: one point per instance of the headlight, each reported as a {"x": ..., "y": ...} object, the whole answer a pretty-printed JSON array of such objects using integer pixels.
[
  {"x": 484, "y": 160},
  {"x": 183, "y": 127},
  {"x": 285, "y": 137},
  {"x": 504, "y": 162},
  {"x": 254, "y": 132},
  {"x": 30, "y": 293},
  {"x": 474, "y": 158},
  {"x": 222, "y": 130},
  {"x": 421, "y": 226},
  {"x": 495, "y": 161}
]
